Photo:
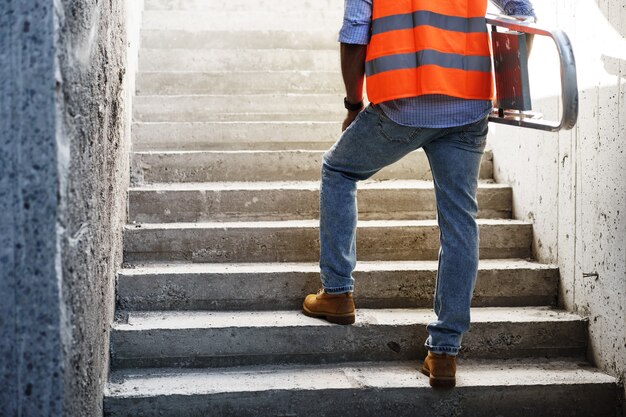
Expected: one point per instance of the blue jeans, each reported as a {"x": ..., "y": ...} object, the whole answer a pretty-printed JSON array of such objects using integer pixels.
[{"x": 372, "y": 142}]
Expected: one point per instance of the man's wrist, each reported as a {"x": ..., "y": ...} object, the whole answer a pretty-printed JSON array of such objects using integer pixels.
[{"x": 353, "y": 106}]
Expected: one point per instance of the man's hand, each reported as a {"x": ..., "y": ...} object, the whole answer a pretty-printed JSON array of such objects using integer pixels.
[{"x": 350, "y": 118}]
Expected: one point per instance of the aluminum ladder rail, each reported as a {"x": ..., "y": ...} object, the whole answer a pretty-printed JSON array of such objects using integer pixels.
[{"x": 569, "y": 84}]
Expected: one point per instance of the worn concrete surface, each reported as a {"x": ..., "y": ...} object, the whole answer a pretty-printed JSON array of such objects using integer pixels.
[
  {"x": 234, "y": 135},
  {"x": 91, "y": 52},
  {"x": 240, "y": 107},
  {"x": 64, "y": 173},
  {"x": 386, "y": 200},
  {"x": 241, "y": 39},
  {"x": 264, "y": 165},
  {"x": 298, "y": 241},
  {"x": 92, "y": 143},
  {"x": 188, "y": 60},
  {"x": 223, "y": 82},
  {"x": 575, "y": 192},
  {"x": 264, "y": 337},
  {"x": 291, "y": 19},
  {"x": 484, "y": 389},
  {"x": 500, "y": 283},
  {"x": 241, "y": 6},
  {"x": 33, "y": 332}
]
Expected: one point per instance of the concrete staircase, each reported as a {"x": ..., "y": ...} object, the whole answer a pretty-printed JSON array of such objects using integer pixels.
[{"x": 234, "y": 109}]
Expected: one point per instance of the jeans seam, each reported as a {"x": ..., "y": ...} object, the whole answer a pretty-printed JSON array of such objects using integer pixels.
[{"x": 339, "y": 290}]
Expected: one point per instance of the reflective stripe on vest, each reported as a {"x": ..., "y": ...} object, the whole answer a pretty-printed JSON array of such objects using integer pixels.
[{"x": 428, "y": 47}]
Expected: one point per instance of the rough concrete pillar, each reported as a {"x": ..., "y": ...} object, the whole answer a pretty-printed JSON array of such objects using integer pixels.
[
  {"x": 64, "y": 143},
  {"x": 30, "y": 315}
]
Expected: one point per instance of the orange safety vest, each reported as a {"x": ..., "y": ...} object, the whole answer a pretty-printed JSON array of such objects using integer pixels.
[{"x": 422, "y": 47}]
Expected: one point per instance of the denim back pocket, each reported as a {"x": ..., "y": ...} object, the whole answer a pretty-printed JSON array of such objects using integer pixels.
[
  {"x": 475, "y": 134},
  {"x": 394, "y": 132}
]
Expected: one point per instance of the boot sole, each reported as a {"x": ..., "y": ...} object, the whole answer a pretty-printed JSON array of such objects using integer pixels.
[
  {"x": 443, "y": 382},
  {"x": 332, "y": 318}
]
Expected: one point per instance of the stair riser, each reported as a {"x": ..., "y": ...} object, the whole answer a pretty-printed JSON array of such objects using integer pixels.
[
  {"x": 234, "y": 135},
  {"x": 311, "y": 344},
  {"x": 240, "y": 5},
  {"x": 243, "y": 39},
  {"x": 293, "y": 82},
  {"x": 301, "y": 244},
  {"x": 297, "y": 20},
  {"x": 286, "y": 204},
  {"x": 567, "y": 400},
  {"x": 265, "y": 107},
  {"x": 204, "y": 60},
  {"x": 268, "y": 166},
  {"x": 374, "y": 289}
]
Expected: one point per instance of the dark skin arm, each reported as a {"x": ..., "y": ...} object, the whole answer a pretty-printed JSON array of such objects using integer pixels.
[{"x": 353, "y": 72}]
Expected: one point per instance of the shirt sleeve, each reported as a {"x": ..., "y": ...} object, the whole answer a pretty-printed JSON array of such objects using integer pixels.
[
  {"x": 515, "y": 8},
  {"x": 357, "y": 20}
]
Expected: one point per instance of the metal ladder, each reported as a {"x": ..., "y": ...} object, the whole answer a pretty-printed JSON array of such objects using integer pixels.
[{"x": 510, "y": 55}]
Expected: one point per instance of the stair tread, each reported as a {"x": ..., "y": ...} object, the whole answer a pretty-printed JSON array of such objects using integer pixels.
[
  {"x": 384, "y": 375},
  {"x": 269, "y": 267},
  {"x": 363, "y": 224},
  {"x": 488, "y": 151},
  {"x": 246, "y": 122},
  {"x": 235, "y": 5},
  {"x": 200, "y": 97},
  {"x": 293, "y": 185},
  {"x": 487, "y": 156},
  {"x": 226, "y": 73},
  {"x": 173, "y": 320}
]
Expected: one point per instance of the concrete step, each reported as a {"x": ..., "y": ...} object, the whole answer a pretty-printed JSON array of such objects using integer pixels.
[
  {"x": 246, "y": 82},
  {"x": 235, "y": 338},
  {"x": 298, "y": 241},
  {"x": 386, "y": 200},
  {"x": 253, "y": 107},
  {"x": 241, "y": 39},
  {"x": 242, "y": 6},
  {"x": 208, "y": 60},
  {"x": 500, "y": 283},
  {"x": 288, "y": 19},
  {"x": 284, "y": 165},
  {"x": 234, "y": 135},
  {"x": 485, "y": 388}
]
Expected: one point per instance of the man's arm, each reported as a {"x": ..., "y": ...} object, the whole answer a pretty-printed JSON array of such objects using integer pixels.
[
  {"x": 353, "y": 72},
  {"x": 354, "y": 37}
]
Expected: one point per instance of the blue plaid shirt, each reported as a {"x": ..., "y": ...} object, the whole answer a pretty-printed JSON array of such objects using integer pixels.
[{"x": 433, "y": 111}]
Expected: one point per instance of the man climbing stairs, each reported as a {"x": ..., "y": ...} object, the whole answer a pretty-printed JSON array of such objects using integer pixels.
[{"x": 235, "y": 105}]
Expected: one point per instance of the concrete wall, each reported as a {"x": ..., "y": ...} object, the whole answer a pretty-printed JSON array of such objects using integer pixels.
[
  {"x": 572, "y": 185},
  {"x": 63, "y": 179},
  {"x": 31, "y": 345}
]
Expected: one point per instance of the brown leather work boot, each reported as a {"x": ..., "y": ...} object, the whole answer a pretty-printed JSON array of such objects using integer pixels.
[
  {"x": 441, "y": 370},
  {"x": 336, "y": 308}
]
